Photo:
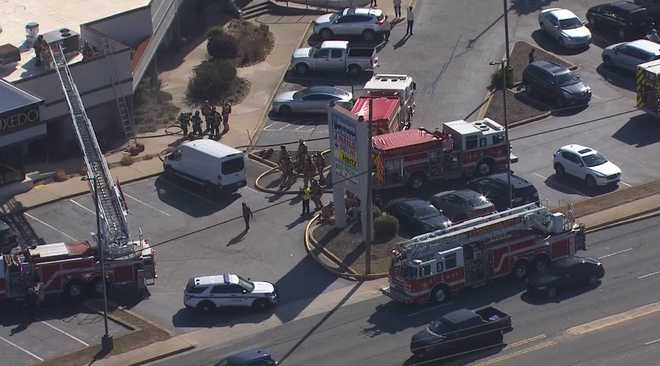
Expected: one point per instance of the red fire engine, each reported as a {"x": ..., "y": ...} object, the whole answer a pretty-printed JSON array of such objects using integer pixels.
[
  {"x": 385, "y": 115},
  {"x": 431, "y": 266},
  {"x": 463, "y": 149},
  {"x": 72, "y": 269}
]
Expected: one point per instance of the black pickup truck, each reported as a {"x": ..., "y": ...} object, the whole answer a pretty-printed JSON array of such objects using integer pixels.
[{"x": 462, "y": 331}]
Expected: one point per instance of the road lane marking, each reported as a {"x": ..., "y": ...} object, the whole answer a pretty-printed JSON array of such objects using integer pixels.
[
  {"x": 83, "y": 207},
  {"x": 539, "y": 175},
  {"x": 50, "y": 226},
  {"x": 615, "y": 253},
  {"x": 648, "y": 275},
  {"x": 283, "y": 127},
  {"x": 21, "y": 348},
  {"x": 429, "y": 309},
  {"x": 625, "y": 184},
  {"x": 146, "y": 204},
  {"x": 300, "y": 127},
  {"x": 652, "y": 342},
  {"x": 65, "y": 333},
  {"x": 523, "y": 342},
  {"x": 508, "y": 356},
  {"x": 615, "y": 319}
]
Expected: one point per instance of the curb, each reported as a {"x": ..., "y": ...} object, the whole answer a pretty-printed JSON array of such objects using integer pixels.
[
  {"x": 638, "y": 216},
  {"x": 259, "y": 128},
  {"x": 310, "y": 245},
  {"x": 163, "y": 355},
  {"x": 530, "y": 119},
  {"x": 261, "y": 160}
]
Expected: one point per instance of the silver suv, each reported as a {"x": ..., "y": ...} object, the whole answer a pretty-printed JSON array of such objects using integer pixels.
[
  {"x": 207, "y": 293},
  {"x": 365, "y": 22}
]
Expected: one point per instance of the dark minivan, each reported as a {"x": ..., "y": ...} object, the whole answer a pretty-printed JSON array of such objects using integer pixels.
[
  {"x": 555, "y": 84},
  {"x": 626, "y": 19},
  {"x": 494, "y": 187}
]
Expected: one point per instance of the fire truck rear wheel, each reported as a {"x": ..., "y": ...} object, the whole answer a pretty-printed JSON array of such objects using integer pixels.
[
  {"x": 520, "y": 270},
  {"x": 74, "y": 291},
  {"x": 440, "y": 294},
  {"x": 484, "y": 168}
]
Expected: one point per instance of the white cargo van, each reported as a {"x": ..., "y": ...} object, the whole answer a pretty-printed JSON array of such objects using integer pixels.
[{"x": 214, "y": 165}]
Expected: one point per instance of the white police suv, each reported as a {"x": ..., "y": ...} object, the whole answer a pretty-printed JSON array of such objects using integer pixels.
[{"x": 207, "y": 293}]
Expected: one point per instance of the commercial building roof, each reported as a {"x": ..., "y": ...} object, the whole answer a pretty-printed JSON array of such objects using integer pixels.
[
  {"x": 12, "y": 98},
  {"x": 51, "y": 15},
  {"x": 383, "y": 108}
]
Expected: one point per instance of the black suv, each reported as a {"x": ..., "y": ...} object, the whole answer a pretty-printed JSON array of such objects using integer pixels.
[
  {"x": 652, "y": 6},
  {"x": 555, "y": 83},
  {"x": 494, "y": 187},
  {"x": 627, "y": 20}
]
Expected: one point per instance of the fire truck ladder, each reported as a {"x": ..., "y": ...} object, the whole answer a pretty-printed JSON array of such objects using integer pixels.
[
  {"x": 114, "y": 227},
  {"x": 451, "y": 237},
  {"x": 122, "y": 106}
]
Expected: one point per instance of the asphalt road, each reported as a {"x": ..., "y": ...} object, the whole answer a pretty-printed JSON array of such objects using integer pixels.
[{"x": 377, "y": 332}]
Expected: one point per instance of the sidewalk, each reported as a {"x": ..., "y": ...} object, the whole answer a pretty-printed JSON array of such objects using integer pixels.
[{"x": 246, "y": 117}]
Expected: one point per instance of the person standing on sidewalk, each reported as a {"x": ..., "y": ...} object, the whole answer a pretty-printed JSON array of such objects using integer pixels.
[
  {"x": 247, "y": 215},
  {"x": 397, "y": 9},
  {"x": 306, "y": 196},
  {"x": 226, "y": 111},
  {"x": 410, "y": 17}
]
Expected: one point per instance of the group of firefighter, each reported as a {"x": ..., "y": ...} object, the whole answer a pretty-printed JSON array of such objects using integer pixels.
[
  {"x": 308, "y": 165},
  {"x": 212, "y": 118}
]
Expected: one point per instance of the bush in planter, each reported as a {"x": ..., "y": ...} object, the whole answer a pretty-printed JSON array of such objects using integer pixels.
[
  {"x": 385, "y": 227},
  {"x": 213, "y": 80},
  {"x": 497, "y": 79},
  {"x": 222, "y": 45}
]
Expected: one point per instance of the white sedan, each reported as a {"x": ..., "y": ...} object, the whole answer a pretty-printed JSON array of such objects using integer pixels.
[
  {"x": 565, "y": 27},
  {"x": 586, "y": 164},
  {"x": 314, "y": 99}
]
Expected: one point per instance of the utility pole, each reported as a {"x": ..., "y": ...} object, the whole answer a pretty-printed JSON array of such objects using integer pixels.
[
  {"x": 369, "y": 197},
  {"x": 106, "y": 340},
  {"x": 506, "y": 121}
]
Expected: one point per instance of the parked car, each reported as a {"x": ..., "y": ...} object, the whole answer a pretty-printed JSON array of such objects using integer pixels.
[
  {"x": 206, "y": 293},
  {"x": 624, "y": 18},
  {"x": 652, "y": 7},
  {"x": 567, "y": 273},
  {"x": 586, "y": 164},
  {"x": 249, "y": 358},
  {"x": 314, "y": 99},
  {"x": 417, "y": 216},
  {"x": 368, "y": 23},
  {"x": 565, "y": 27},
  {"x": 334, "y": 56},
  {"x": 462, "y": 331},
  {"x": 462, "y": 204},
  {"x": 628, "y": 55},
  {"x": 494, "y": 187},
  {"x": 555, "y": 84}
]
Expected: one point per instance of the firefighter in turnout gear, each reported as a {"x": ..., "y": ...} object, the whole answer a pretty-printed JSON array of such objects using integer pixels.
[
  {"x": 184, "y": 122},
  {"x": 197, "y": 125},
  {"x": 285, "y": 167},
  {"x": 319, "y": 163},
  {"x": 316, "y": 193},
  {"x": 308, "y": 171},
  {"x": 301, "y": 155}
]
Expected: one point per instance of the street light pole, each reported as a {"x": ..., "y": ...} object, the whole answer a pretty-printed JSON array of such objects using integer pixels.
[{"x": 106, "y": 340}]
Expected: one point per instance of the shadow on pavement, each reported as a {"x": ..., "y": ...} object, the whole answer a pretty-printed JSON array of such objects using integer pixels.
[
  {"x": 602, "y": 38},
  {"x": 189, "y": 198},
  {"x": 523, "y": 7},
  {"x": 641, "y": 130},
  {"x": 455, "y": 360},
  {"x": 304, "y": 119},
  {"x": 327, "y": 78},
  {"x": 572, "y": 185},
  {"x": 392, "y": 317},
  {"x": 551, "y": 45},
  {"x": 188, "y": 318},
  {"x": 402, "y": 41},
  {"x": 562, "y": 295},
  {"x": 617, "y": 77}
]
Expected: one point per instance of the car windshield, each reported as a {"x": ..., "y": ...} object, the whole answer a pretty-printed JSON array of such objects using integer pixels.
[
  {"x": 335, "y": 16},
  {"x": 440, "y": 326},
  {"x": 570, "y": 23},
  {"x": 567, "y": 78},
  {"x": 245, "y": 283},
  {"x": 426, "y": 212},
  {"x": 594, "y": 160}
]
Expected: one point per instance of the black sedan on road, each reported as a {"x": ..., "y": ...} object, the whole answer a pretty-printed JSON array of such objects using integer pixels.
[
  {"x": 463, "y": 204},
  {"x": 495, "y": 188},
  {"x": 555, "y": 84},
  {"x": 249, "y": 358},
  {"x": 567, "y": 273},
  {"x": 417, "y": 216}
]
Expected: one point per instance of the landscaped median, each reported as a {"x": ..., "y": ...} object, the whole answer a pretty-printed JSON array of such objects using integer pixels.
[{"x": 342, "y": 252}]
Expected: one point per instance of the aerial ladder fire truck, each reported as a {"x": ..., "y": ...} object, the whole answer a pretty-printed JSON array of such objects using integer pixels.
[
  {"x": 75, "y": 268},
  {"x": 432, "y": 266}
]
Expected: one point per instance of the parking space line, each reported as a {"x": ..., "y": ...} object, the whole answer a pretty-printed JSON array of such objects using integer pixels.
[
  {"x": 65, "y": 333},
  {"x": 50, "y": 226},
  {"x": 625, "y": 184},
  {"x": 146, "y": 204},
  {"x": 21, "y": 348},
  {"x": 615, "y": 253},
  {"x": 652, "y": 342},
  {"x": 268, "y": 126},
  {"x": 83, "y": 207},
  {"x": 300, "y": 127},
  {"x": 648, "y": 275},
  {"x": 539, "y": 175},
  {"x": 283, "y": 127}
]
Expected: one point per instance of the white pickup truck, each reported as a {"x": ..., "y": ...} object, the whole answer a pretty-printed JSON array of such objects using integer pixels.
[{"x": 334, "y": 56}]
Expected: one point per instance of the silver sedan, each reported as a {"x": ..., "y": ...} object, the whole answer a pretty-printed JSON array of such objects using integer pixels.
[{"x": 315, "y": 99}]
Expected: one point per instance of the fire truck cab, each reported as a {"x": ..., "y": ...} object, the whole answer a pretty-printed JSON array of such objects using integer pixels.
[
  {"x": 461, "y": 150},
  {"x": 401, "y": 86},
  {"x": 72, "y": 269},
  {"x": 431, "y": 266},
  {"x": 385, "y": 116}
]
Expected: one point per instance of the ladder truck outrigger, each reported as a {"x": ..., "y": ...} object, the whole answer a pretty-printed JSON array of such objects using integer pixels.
[
  {"x": 432, "y": 266},
  {"x": 74, "y": 269}
]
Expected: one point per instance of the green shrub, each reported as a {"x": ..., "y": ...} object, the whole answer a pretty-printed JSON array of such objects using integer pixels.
[
  {"x": 254, "y": 41},
  {"x": 223, "y": 46},
  {"x": 213, "y": 80},
  {"x": 497, "y": 79},
  {"x": 385, "y": 227}
]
